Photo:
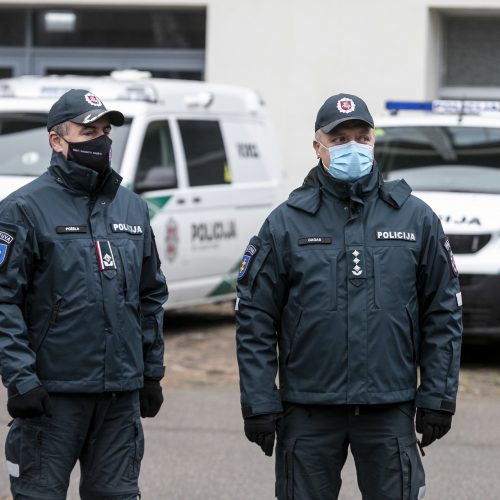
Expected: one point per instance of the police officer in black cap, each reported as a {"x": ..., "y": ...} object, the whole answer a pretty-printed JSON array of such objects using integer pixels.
[
  {"x": 81, "y": 315},
  {"x": 349, "y": 288}
]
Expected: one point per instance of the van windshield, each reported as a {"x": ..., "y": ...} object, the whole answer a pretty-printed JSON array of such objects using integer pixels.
[
  {"x": 24, "y": 144},
  {"x": 441, "y": 158}
]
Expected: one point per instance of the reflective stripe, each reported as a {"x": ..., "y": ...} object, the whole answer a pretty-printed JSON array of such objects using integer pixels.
[
  {"x": 237, "y": 304},
  {"x": 421, "y": 492},
  {"x": 459, "y": 299}
]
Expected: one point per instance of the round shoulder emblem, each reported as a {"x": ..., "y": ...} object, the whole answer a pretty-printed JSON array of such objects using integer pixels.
[
  {"x": 346, "y": 105},
  {"x": 93, "y": 100}
]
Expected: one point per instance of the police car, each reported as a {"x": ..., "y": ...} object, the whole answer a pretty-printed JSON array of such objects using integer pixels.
[
  {"x": 449, "y": 153},
  {"x": 203, "y": 156}
]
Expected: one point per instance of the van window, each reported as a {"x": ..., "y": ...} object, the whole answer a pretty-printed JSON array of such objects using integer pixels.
[
  {"x": 25, "y": 146},
  {"x": 156, "y": 168},
  {"x": 205, "y": 154},
  {"x": 436, "y": 158}
]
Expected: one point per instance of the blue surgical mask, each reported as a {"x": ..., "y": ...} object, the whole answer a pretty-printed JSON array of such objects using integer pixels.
[{"x": 349, "y": 162}]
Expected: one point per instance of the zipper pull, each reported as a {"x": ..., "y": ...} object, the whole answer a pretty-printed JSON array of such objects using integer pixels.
[{"x": 356, "y": 410}]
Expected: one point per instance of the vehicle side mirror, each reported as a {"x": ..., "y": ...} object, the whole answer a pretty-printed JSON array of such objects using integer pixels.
[{"x": 162, "y": 177}]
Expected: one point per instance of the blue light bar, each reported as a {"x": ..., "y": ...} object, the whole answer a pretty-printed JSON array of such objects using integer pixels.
[
  {"x": 409, "y": 105},
  {"x": 445, "y": 106}
]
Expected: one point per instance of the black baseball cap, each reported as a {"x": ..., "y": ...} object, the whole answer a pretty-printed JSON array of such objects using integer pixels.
[
  {"x": 81, "y": 106},
  {"x": 340, "y": 108}
]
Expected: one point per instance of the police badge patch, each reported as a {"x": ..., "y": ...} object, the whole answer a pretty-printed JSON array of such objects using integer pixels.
[
  {"x": 6, "y": 240},
  {"x": 451, "y": 259},
  {"x": 250, "y": 252}
]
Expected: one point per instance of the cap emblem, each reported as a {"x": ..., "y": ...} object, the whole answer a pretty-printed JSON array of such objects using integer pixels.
[
  {"x": 93, "y": 100},
  {"x": 346, "y": 105}
]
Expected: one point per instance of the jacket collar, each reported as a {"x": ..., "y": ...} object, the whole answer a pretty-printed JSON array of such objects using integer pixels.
[
  {"x": 308, "y": 196},
  {"x": 357, "y": 190},
  {"x": 83, "y": 179}
]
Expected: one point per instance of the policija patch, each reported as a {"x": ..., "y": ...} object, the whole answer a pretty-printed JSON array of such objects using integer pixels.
[
  {"x": 451, "y": 259},
  {"x": 250, "y": 253},
  {"x": 6, "y": 240}
]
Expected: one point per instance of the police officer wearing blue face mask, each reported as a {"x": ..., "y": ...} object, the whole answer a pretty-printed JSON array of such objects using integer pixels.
[
  {"x": 81, "y": 316},
  {"x": 349, "y": 288}
]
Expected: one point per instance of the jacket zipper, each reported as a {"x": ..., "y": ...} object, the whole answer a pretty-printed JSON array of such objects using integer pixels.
[{"x": 54, "y": 312}]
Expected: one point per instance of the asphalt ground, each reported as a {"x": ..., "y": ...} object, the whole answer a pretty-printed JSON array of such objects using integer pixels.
[{"x": 196, "y": 450}]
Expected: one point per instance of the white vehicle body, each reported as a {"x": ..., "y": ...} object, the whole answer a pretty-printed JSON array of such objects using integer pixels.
[
  {"x": 203, "y": 156},
  {"x": 452, "y": 162}
]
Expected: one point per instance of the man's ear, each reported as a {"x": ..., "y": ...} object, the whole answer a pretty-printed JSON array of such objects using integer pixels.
[
  {"x": 316, "y": 147},
  {"x": 55, "y": 142}
]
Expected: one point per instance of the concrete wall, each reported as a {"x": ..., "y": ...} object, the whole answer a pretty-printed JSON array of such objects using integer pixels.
[{"x": 296, "y": 53}]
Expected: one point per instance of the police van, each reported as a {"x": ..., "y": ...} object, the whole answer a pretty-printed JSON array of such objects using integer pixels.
[
  {"x": 449, "y": 153},
  {"x": 203, "y": 157}
]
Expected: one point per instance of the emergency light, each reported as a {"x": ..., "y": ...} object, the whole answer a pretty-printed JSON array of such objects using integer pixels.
[{"x": 444, "y": 106}]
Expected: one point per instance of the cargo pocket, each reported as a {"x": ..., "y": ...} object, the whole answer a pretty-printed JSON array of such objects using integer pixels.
[
  {"x": 284, "y": 470},
  {"x": 136, "y": 450},
  {"x": 412, "y": 470},
  {"x": 23, "y": 451}
]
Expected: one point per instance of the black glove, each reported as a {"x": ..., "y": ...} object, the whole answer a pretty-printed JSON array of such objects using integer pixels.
[
  {"x": 432, "y": 424},
  {"x": 151, "y": 398},
  {"x": 34, "y": 403},
  {"x": 261, "y": 429}
]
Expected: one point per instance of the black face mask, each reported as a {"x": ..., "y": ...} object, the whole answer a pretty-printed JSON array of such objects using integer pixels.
[{"x": 94, "y": 154}]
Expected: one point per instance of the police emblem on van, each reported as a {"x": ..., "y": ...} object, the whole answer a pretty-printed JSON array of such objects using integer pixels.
[{"x": 6, "y": 240}]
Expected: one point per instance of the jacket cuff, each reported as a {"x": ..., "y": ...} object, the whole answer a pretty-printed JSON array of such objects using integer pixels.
[
  {"x": 154, "y": 372},
  {"x": 435, "y": 403},
  {"x": 24, "y": 386},
  {"x": 261, "y": 409}
]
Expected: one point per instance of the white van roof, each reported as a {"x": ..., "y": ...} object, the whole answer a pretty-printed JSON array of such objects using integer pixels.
[{"x": 133, "y": 85}]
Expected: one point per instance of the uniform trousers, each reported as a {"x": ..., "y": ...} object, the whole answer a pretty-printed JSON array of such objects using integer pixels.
[
  {"x": 313, "y": 443},
  {"x": 101, "y": 431}
]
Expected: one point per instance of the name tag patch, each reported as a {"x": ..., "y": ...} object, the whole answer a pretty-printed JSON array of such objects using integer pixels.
[
  {"x": 71, "y": 229},
  {"x": 126, "y": 228},
  {"x": 105, "y": 256},
  {"x": 6, "y": 240},
  {"x": 315, "y": 240},
  {"x": 396, "y": 235}
]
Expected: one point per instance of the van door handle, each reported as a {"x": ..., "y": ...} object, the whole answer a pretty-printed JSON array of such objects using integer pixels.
[
  {"x": 181, "y": 201},
  {"x": 196, "y": 199}
]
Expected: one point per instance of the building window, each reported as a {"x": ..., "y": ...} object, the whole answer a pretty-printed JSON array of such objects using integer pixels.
[
  {"x": 152, "y": 29},
  {"x": 12, "y": 27},
  {"x": 470, "y": 52}
]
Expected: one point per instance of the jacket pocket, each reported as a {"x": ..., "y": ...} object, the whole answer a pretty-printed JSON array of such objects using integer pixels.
[
  {"x": 315, "y": 271},
  {"x": 284, "y": 471},
  {"x": 128, "y": 286},
  {"x": 294, "y": 335},
  {"x": 50, "y": 322},
  {"x": 23, "y": 450},
  {"x": 413, "y": 334},
  {"x": 333, "y": 288},
  {"x": 376, "y": 281},
  {"x": 136, "y": 449},
  {"x": 412, "y": 470}
]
